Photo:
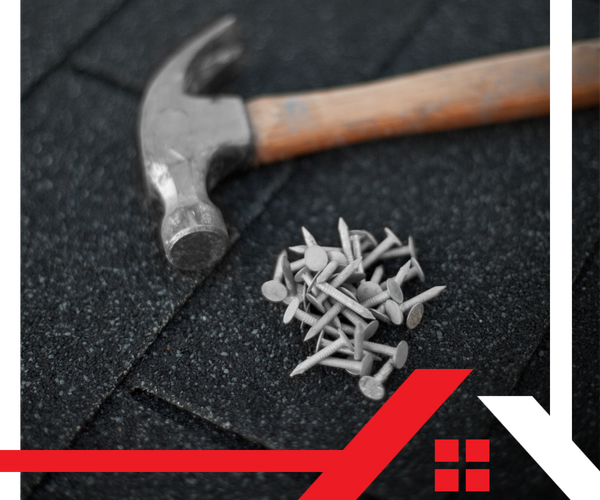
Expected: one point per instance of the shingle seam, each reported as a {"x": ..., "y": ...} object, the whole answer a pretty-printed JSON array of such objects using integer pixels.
[{"x": 34, "y": 85}]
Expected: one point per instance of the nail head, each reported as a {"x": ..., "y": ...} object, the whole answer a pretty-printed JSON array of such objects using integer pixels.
[
  {"x": 400, "y": 355},
  {"x": 371, "y": 388},
  {"x": 415, "y": 315},
  {"x": 316, "y": 258}
]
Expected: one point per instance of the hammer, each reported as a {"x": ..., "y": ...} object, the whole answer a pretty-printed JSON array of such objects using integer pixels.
[{"x": 189, "y": 141}]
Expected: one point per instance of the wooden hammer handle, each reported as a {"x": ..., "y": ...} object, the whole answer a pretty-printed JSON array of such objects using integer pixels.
[{"x": 493, "y": 89}]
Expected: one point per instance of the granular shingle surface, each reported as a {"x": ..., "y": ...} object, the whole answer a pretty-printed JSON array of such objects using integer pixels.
[
  {"x": 52, "y": 29},
  {"x": 121, "y": 351}
]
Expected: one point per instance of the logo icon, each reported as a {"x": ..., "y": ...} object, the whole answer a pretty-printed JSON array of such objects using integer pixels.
[{"x": 476, "y": 450}]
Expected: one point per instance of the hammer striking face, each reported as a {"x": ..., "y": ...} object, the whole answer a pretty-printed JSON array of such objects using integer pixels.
[{"x": 189, "y": 141}]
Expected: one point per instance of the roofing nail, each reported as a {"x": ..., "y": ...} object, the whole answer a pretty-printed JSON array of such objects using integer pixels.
[
  {"x": 323, "y": 320},
  {"x": 300, "y": 249},
  {"x": 336, "y": 319},
  {"x": 404, "y": 251},
  {"x": 336, "y": 259},
  {"x": 412, "y": 247},
  {"x": 316, "y": 258},
  {"x": 356, "y": 250},
  {"x": 387, "y": 243},
  {"x": 398, "y": 354},
  {"x": 345, "y": 273},
  {"x": 402, "y": 273},
  {"x": 308, "y": 238},
  {"x": 393, "y": 292},
  {"x": 348, "y": 293},
  {"x": 345, "y": 300},
  {"x": 357, "y": 277},
  {"x": 422, "y": 297},
  {"x": 380, "y": 316},
  {"x": 298, "y": 264},
  {"x": 318, "y": 305},
  {"x": 362, "y": 367},
  {"x": 354, "y": 318},
  {"x": 350, "y": 353},
  {"x": 358, "y": 342},
  {"x": 372, "y": 386},
  {"x": 305, "y": 275},
  {"x": 322, "y": 354},
  {"x": 345, "y": 239},
  {"x": 416, "y": 270},
  {"x": 393, "y": 311},
  {"x": 350, "y": 287},
  {"x": 367, "y": 239},
  {"x": 290, "y": 312},
  {"x": 367, "y": 290},
  {"x": 274, "y": 291},
  {"x": 311, "y": 319},
  {"x": 415, "y": 315},
  {"x": 395, "y": 253},
  {"x": 377, "y": 275},
  {"x": 341, "y": 277},
  {"x": 288, "y": 276},
  {"x": 368, "y": 332},
  {"x": 299, "y": 292},
  {"x": 278, "y": 271},
  {"x": 361, "y": 335}
]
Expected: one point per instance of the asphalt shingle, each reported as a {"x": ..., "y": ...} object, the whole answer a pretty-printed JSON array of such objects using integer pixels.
[
  {"x": 208, "y": 365},
  {"x": 50, "y": 29}
]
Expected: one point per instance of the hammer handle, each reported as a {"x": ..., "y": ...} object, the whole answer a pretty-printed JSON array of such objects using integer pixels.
[{"x": 493, "y": 89}]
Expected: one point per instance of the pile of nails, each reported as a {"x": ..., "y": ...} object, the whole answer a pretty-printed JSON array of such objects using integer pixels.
[{"x": 327, "y": 288}]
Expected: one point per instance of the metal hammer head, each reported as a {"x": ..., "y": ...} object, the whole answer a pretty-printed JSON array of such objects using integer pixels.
[{"x": 189, "y": 141}]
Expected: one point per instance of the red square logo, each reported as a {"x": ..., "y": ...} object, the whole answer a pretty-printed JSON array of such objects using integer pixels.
[
  {"x": 477, "y": 480},
  {"x": 478, "y": 450},
  {"x": 446, "y": 479},
  {"x": 446, "y": 450}
]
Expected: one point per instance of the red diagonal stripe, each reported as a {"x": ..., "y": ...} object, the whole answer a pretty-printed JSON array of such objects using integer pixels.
[
  {"x": 380, "y": 440},
  {"x": 347, "y": 472},
  {"x": 167, "y": 460}
]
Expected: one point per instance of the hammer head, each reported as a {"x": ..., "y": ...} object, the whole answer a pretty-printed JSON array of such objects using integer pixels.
[{"x": 189, "y": 141}]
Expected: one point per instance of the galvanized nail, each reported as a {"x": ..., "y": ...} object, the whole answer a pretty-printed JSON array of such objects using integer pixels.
[
  {"x": 336, "y": 259},
  {"x": 322, "y": 354},
  {"x": 288, "y": 276},
  {"x": 274, "y": 291},
  {"x": 278, "y": 271},
  {"x": 367, "y": 239},
  {"x": 392, "y": 309},
  {"x": 323, "y": 320},
  {"x": 356, "y": 251},
  {"x": 300, "y": 249},
  {"x": 308, "y": 238},
  {"x": 390, "y": 240},
  {"x": 377, "y": 274},
  {"x": 367, "y": 290},
  {"x": 372, "y": 386},
  {"x": 402, "y": 273},
  {"x": 415, "y": 315},
  {"x": 345, "y": 239},
  {"x": 393, "y": 292},
  {"x": 422, "y": 297},
  {"x": 362, "y": 367},
  {"x": 316, "y": 258},
  {"x": 345, "y": 300}
]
